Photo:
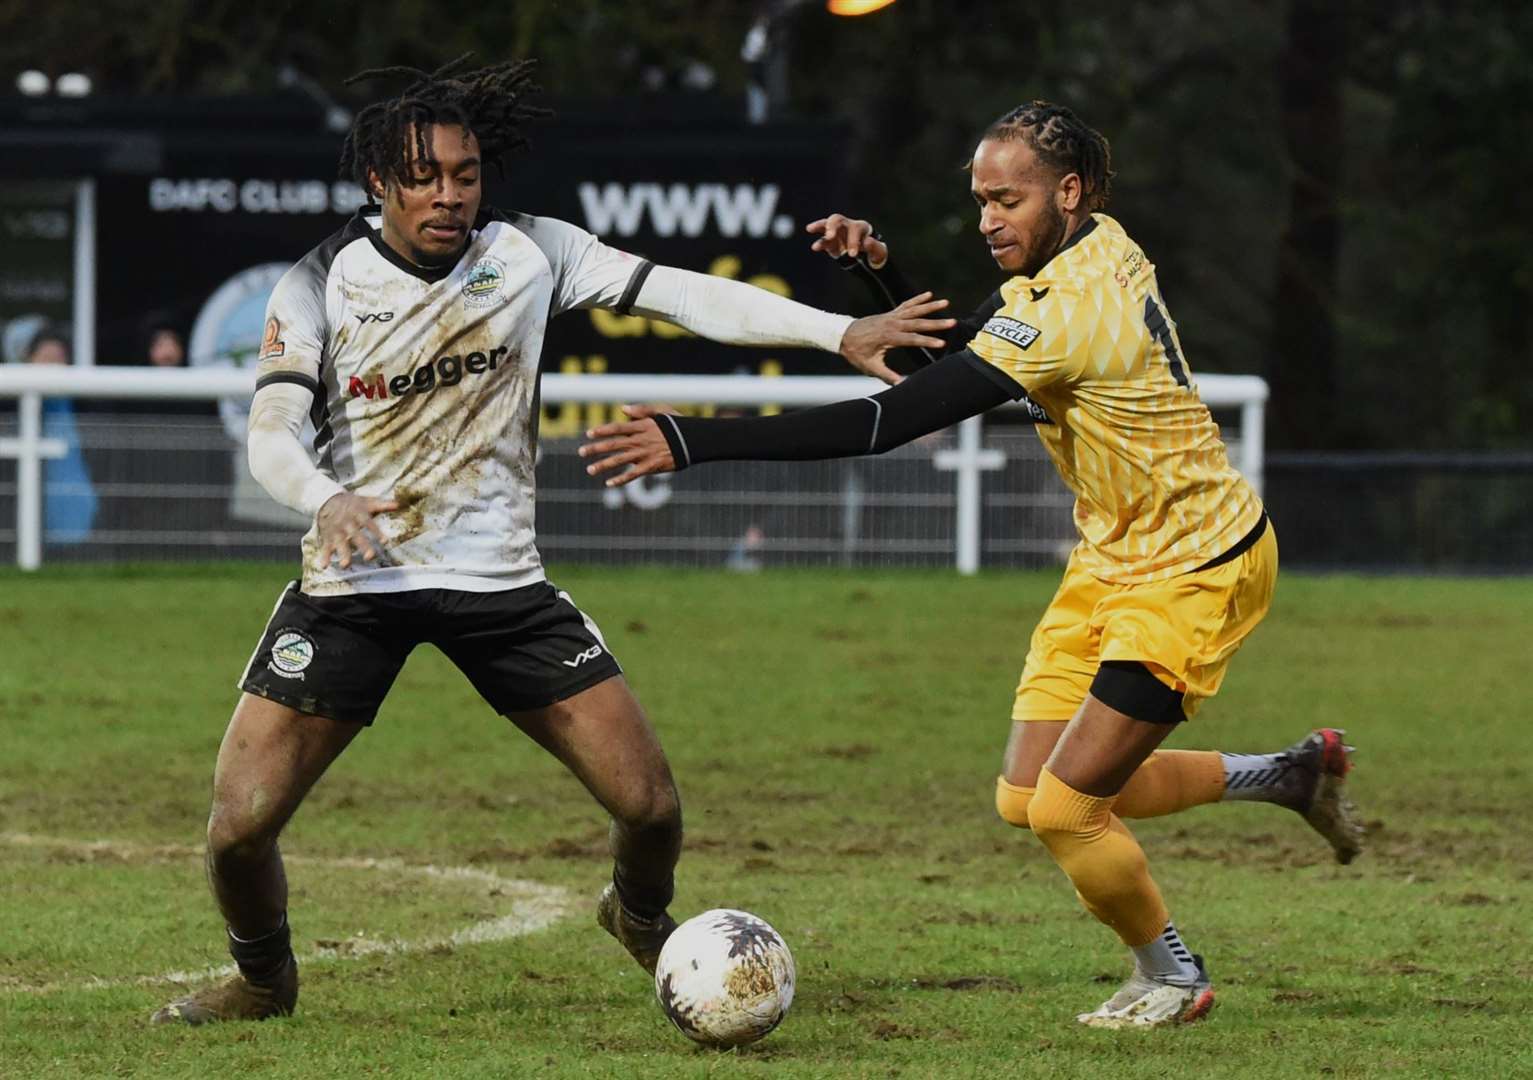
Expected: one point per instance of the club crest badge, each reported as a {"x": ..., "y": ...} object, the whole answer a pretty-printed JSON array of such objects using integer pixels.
[
  {"x": 291, "y": 653},
  {"x": 485, "y": 283}
]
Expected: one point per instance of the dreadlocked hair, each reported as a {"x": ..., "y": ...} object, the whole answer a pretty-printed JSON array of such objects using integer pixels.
[
  {"x": 1063, "y": 143},
  {"x": 491, "y": 102}
]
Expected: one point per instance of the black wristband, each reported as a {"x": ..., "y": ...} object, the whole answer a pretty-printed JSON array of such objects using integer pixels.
[{"x": 673, "y": 438}]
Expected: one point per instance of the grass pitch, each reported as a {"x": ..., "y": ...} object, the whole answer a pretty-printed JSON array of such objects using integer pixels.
[{"x": 835, "y": 737}]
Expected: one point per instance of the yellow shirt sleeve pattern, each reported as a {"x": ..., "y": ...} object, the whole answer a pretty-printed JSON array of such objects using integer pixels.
[{"x": 1034, "y": 337}]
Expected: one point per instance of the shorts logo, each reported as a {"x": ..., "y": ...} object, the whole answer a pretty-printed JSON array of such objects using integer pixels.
[
  {"x": 1013, "y": 330},
  {"x": 590, "y": 654},
  {"x": 291, "y": 653},
  {"x": 485, "y": 283}
]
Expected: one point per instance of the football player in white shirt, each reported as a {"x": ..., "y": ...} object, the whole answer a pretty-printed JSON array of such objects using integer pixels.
[{"x": 412, "y": 338}]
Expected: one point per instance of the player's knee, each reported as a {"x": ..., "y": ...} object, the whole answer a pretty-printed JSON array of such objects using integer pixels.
[
  {"x": 653, "y": 808},
  {"x": 1055, "y": 817},
  {"x": 239, "y": 833},
  {"x": 1012, "y": 801}
]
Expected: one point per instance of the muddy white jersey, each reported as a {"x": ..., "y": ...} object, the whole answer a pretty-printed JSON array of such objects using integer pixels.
[{"x": 425, "y": 388}]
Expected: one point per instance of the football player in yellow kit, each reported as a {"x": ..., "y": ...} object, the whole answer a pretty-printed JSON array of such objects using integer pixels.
[{"x": 1176, "y": 562}]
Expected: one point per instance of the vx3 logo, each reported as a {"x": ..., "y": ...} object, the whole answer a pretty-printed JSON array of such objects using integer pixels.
[
  {"x": 590, "y": 654},
  {"x": 376, "y": 316}
]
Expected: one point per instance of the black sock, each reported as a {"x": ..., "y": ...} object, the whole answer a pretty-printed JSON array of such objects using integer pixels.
[
  {"x": 261, "y": 958},
  {"x": 647, "y": 901}
]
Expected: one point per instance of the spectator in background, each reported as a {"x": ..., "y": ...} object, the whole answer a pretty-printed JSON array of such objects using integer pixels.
[
  {"x": 166, "y": 349},
  {"x": 69, "y": 499}
]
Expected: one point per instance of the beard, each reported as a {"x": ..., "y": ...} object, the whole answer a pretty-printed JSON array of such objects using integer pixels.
[{"x": 1050, "y": 238}]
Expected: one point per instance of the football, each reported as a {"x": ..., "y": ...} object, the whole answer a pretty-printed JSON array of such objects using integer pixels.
[{"x": 725, "y": 978}]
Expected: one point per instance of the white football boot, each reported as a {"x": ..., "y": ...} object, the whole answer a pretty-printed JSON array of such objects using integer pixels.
[{"x": 1145, "y": 1002}]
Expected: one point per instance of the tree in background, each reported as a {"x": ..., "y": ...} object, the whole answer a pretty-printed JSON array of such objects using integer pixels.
[{"x": 1302, "y": 358}]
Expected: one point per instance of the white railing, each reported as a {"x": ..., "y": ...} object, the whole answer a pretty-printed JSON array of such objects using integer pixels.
[{"x": 968, "y": 460}]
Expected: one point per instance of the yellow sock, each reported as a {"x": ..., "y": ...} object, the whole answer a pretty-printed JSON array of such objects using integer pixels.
[
  {"x": 1172, "y": 780},
  {"x": 1011, "y": 802},
  {"x": 1101, "y": 858},
  {"x": 1167, "y": 782}
]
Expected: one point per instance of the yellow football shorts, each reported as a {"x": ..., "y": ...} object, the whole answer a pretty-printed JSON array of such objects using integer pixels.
[{"x": 1184, "y": 629}]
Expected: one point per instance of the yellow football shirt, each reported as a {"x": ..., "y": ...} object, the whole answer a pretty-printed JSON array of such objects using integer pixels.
[{"x": 1090, "y": 340}]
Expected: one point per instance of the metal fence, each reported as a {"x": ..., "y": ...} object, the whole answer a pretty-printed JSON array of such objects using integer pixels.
[
  {"x": 1465, "y": 513},
  {"x": 151, "y": 466}
]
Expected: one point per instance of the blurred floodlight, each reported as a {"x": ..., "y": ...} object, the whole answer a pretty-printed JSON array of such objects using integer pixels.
[
  {"x": 73, "y": 84},
  {"x": 855, "y": 7},
  {"x": 33, "y": 83}
]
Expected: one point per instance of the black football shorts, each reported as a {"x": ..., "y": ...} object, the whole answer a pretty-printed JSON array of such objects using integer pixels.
[{"x": 337, "y": 656}]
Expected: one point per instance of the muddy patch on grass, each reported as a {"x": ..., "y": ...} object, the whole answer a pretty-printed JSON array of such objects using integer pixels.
[
  {"x": 1459, "y": 1003},
  {"x": 1397, "y": 966},
  {"x": 852, "y": 752},
  {"x": 1000, "y": 983},
  {"x": 1471, "y": 899},
  {"x": 1291, "y": 996},
  {"x": 1415, "y": 853},
  {"x": 981, "y": 918},
  {"x": 586, "y": 846}
]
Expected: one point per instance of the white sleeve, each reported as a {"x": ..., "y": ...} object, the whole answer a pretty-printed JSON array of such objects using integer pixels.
[
  {"x": 293, "y": 340},
  {"x": 278, "y": 460},
  {"x": 587, "y": 273},
  {"x": 736, "y": 313}
]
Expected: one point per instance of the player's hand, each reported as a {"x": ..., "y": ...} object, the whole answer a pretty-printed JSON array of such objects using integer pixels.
[
  {"x": 637, "y": 443},
  {"x": 868, "y": 340},
  {"x": 346, "y": 526},
  {"x": 840, "y": 235}
]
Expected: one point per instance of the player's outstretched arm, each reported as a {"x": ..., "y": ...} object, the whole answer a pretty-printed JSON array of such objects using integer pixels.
[
  {"x": 858, "y": 249},
  {"x": 736, "y": 313},
  {"x": 280, "y": 464},
  {"x": 654, "y": 440}
]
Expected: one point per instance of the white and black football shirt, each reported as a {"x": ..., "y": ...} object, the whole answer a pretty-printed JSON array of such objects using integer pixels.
[{"x": 425, "y": 388}]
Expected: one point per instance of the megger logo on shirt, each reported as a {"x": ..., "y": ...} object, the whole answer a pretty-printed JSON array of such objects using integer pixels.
[
  {"x": 1018, "y": 333},
  {"x": 443, "y": 371}
]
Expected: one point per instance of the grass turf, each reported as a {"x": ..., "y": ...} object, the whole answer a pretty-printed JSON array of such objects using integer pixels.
[{"x": 835, "y": 738}]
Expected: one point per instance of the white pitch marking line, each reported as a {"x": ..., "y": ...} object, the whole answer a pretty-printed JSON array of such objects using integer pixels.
[{"x": 534, "y": 906}]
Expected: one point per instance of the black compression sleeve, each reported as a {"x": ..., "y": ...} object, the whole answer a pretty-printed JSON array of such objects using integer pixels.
[
  {"x": 892, "y": 288},
  {"x": 955, "y": 388},
  {"x": 888, "y": 284}
]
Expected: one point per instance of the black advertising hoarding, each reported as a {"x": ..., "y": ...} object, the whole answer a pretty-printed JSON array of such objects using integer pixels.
[
  {"x": 200, "y": 240},
  {"x": 203, "y": 240},
  {"x": 37, "y": 273}
]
